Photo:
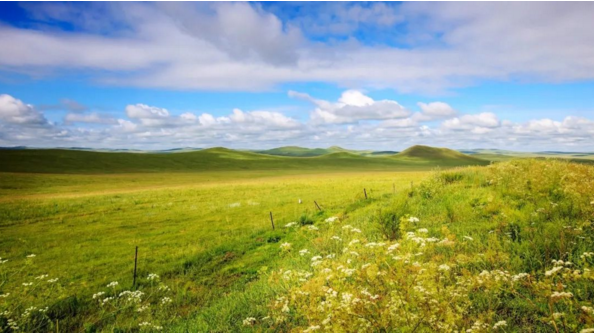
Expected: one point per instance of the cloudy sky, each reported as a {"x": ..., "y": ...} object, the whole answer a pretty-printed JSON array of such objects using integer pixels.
[{"x": 382, "y": 76}]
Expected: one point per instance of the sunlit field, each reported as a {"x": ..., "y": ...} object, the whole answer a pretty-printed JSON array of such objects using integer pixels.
[
  {"x": 501, "y": 248},
  {"x": 204, "y": 234}
]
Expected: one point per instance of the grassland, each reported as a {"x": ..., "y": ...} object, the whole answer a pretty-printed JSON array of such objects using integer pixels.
[
  {"x": 221, "y": 267},
  {"x": 219, "y": 159}
]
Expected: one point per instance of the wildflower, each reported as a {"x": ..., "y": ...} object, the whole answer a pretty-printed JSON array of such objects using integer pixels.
[
  {"x": 153, "y": 277},
  {"x": 553, "y": 271},
  {"x": 3, "y": 261},
  {"x": 249, "y": 321},
  {"x": 468, "y": 238},
  {"x": 144, "y": 324},
  {"x": 337, "y": 238},
  {"x": 371, "y": 245},
  {"x": 356, "y": 230},
  {"x": 31, "y": 255},
  {"x": 498, "y": 324},
  {"x": 285, "y": 246},
  {"x": 354, "y": 241},
  {"x": 444, "y": 267},
  {"x": 28, "y": 284},
  {"x": 112, "y": 284},
  {"x": 312, "y": 228},
  {"x": 347, "y": 227},
  {"x": 142, "y": 308},
  {"x": 422, "y": 230},
  {"x": 5, "y": 295},
  {"x": 52, "y": 280},
  {"x": 558, "y": 315},
  {"x": 586, "y": 255},
  {"x": 98, "y": 294},
  {"x": 316, "y": 258},
  {"x": 106, "y": 300},
  {"x": 519, "y": 276},
  {"x": 165, "y": 300},
  {"x": 331, "y": 219},
  {"x": 413, "y": 220},
  {"x": 303, "y": 252},
  {"x": 588, "y": 310},
  {"x": 291, "y": 224},
  {"x": 560, "y": 295},
  {"x": 393, "y": 247},
  {"x": 312, "y": 328}
]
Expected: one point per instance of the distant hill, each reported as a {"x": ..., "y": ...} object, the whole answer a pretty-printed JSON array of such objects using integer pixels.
[
  {"x": 221, "y": 159},
  {"x": 296, "y": 151},
  {"x": 439, "y": 156}
]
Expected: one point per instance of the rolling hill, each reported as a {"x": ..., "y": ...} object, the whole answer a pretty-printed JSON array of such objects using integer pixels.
[
  {"x": 437, "y": 156},
  {"x": 222, "y": 159}
]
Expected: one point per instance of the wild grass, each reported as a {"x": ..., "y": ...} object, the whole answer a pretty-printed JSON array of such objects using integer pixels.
[
  {"x": 207, "y": 236},
  {"x": 503, "y": 248}
]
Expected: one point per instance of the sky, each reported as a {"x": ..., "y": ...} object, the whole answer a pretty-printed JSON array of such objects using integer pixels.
[{"x": 382, "y": 76}]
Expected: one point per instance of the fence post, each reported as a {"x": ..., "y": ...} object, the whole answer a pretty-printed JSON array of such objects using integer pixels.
[
  {"x": 271, "y": 220},
  {"x": 135, "y": 265}
]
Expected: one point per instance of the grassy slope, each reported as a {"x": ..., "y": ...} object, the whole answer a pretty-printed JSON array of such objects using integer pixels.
[
  {"x": 434, "y": 155},
  {"x": 215, "y": 159}
]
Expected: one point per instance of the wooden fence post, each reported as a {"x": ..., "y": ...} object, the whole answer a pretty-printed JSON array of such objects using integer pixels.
[
  {"x": 135, "y": 265},
  {"x": 271, "y": 220}
]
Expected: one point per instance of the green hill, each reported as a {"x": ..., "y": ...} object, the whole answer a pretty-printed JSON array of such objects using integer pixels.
[
  {"x": 438, "y": 156},
  {"x": 295, "y": 151},
  {"x": 219, "y": 159}
]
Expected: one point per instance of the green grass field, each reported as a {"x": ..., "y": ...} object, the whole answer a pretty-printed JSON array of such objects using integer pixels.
[{"x": 202, "y": 223}]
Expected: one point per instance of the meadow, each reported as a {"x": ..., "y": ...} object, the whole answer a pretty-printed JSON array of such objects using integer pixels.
[{"x": 503, "y": 247}]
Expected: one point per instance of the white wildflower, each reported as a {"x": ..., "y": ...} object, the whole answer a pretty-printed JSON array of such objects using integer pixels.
[
  {"x": 498, "y": 324},
  {"x": 413, "y": 220},
  {"x": 165, "y": 300},
  {"x": 303, "y": 252},
  {"x": 249, "y": 321},
  {"x": 153, "y": 277},
  {"x": 331, "y": 219},
  {"x": 285, "y": 246},
  {"x": 422, "y": 230},
  {"x": 31, "y": 255},
  {"x": 98, "y": 294},
  {"x": 112, "y": 284},
  {"x": 468, "y": 238},
  {"x": 553, "y": 271},
  {"x": 560, "y": 295},
  {"x": 444, "y": 267},
  {"x": 291, "y": 224},
  {"x": 312, "y": 228}
]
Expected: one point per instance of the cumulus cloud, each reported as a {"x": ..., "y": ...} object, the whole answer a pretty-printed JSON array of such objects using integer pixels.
[
  {"x": 155, "y": 127},
  {"x": 351, "y": 107},
  {"x": 14, "y": 111},
  {"x": 244, "y": 46},
  {"x": 436, "y": 110}
]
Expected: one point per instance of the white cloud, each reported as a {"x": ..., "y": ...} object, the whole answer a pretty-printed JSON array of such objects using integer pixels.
[
  {"x": 241, "y": 46},
  {"x": 141, "y": 111},
  {"x": 351, "y": 107},
  {"x": 153, "y": 127},
  {"x": 435, "y": 110},
  {"x": 15, "y": 111},
  {"x": 466, "y": 122}
]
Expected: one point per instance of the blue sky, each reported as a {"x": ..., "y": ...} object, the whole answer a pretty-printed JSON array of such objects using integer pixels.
[{"x": 258, "y": 75}]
